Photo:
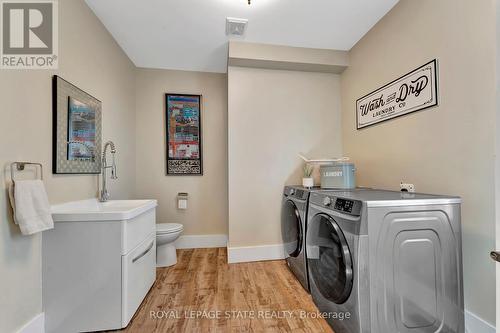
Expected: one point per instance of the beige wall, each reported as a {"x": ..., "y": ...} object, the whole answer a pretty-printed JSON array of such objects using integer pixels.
[
  {"x": 448, "y": 149},
  {"x": 207, "y": 204},
  {"x": 89, "y": 58},
  {"x": 273, "y": 115}
]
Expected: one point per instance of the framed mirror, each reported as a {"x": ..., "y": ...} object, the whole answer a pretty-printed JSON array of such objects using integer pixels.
[{"x": 77, "y": 127}]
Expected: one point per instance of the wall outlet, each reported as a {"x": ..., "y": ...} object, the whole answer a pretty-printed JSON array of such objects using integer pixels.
[{"x": 407, "y": 187}]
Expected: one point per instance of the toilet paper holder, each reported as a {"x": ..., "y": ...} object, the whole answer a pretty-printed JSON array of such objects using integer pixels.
[{"x": 182, "y": 199}]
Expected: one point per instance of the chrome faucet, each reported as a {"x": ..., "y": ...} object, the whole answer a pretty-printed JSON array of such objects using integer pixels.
[{"x": 104, "y": 196}]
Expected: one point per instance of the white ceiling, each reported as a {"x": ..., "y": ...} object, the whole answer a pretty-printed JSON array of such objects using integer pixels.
[{"x": 191, "y": 35}]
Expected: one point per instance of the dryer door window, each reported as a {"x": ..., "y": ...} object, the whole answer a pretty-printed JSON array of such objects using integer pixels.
[
  {"x": 329, "y": 259},
  {"x": 291, "y": 229}
]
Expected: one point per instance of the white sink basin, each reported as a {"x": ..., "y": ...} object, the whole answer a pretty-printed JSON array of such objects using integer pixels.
[{"x": 93, "y": 210}]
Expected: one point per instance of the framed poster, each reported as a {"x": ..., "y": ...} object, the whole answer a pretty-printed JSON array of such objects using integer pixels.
[
  {"x": 183, "y": 134},
  {"x": 76, "y": 141},
  {"x": 411, "y": 92}
]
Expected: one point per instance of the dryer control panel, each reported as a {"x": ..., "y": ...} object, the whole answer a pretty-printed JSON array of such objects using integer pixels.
[
  {"x": 344, "y": 205},
  {"x": 335, "y": 202}
]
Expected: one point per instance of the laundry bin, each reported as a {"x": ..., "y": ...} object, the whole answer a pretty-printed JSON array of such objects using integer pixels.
[{"x": 338, "y": 175}]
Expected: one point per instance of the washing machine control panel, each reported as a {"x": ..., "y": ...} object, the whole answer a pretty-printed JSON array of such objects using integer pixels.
[
  {"x": 344, "y": 205},
  {"x": 297, "y": 193}
]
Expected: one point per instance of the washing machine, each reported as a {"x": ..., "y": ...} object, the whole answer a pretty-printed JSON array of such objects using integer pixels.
[
  {"x": 383, "y": 261},
  {"x": 293, "y": 230}
]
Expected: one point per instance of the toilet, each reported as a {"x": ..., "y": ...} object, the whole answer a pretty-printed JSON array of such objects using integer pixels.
[{"x": 166, "y": 234}]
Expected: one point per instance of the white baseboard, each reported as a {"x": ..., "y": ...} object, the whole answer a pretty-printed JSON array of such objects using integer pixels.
[
  {"x": 35, "y": 325},
  {"x": 201, "y": 241},
  {"x": 255, "y": 253},
  {"x": 475, "y": 324}
]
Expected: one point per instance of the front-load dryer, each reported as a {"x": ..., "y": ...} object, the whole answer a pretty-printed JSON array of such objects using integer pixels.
[
  {"x": 293, "y": 230},
  {"x": 384, "y": 261}
]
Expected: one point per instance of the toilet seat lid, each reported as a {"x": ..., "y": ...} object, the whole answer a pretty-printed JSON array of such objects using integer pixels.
[{"x": 165, "y": 228}]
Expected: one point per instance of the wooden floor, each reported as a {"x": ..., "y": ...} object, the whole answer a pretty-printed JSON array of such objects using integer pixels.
[{"x": 203, "y": 281}]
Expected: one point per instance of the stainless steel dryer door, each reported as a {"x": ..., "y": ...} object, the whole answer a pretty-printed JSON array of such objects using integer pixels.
[
  {"x": 329, "y": 259},
  {"x": 291, "y": 229}
]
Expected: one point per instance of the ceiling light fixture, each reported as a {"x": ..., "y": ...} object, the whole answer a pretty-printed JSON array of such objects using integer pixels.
[{"x": 249, "y": 2}]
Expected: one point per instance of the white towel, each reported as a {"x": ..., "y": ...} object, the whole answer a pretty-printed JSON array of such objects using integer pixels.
[{"x": 31, "y": 206}]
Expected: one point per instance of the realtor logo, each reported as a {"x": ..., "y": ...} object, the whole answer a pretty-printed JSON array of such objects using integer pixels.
[{"x": 29, "y": 34}]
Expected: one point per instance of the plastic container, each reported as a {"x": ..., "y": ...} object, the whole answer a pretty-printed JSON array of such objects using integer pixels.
[{"x": 339, "y": 175}]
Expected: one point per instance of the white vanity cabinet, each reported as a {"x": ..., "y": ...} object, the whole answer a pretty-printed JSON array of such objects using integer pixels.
[{"x": 99, "y": 262}]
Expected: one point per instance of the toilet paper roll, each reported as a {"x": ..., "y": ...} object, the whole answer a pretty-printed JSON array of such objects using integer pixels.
[{"x": 182, "y": 204}]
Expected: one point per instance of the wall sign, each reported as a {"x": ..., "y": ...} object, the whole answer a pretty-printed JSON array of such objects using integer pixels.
[{"x": 412, "y": 92}]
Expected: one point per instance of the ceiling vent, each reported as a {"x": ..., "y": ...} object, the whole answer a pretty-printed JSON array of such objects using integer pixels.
[{"x": 235, "y": 26}]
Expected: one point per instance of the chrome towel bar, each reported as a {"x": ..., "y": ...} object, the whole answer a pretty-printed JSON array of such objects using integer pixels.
[{"x": 20, "y": 166}]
